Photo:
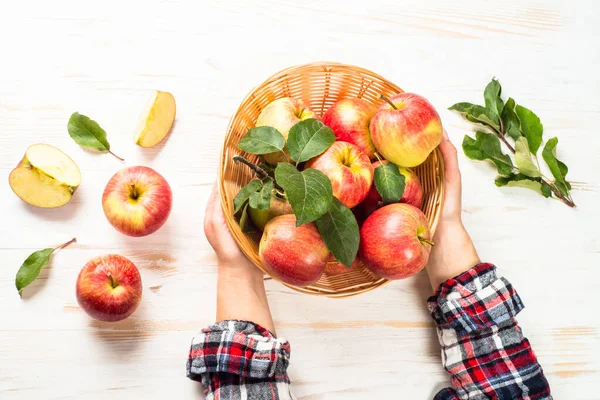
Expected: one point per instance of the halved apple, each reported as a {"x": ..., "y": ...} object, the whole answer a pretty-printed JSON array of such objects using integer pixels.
[
  {"x": 156, "y": 120},
  {"x": 45, "y": 177}
]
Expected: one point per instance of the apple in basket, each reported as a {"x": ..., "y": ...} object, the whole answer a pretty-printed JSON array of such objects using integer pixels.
[
  {"x": 395, "y": 241},
  {"x": 278, "y": 207}
]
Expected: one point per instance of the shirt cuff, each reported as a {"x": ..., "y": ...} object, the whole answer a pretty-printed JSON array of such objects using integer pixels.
[
  {"x": 241, "y": 348},
  {"x": 474, "y": 300}
]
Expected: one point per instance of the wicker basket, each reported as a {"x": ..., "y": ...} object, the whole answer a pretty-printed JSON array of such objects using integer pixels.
[{"x": 319, "y": 85}]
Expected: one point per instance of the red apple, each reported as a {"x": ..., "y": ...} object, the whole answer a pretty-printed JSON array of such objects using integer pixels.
[
  {"x": 349, "y": 170},
  {"x": 294, "y": 255},
  {"x": 109, "y": 288},
  {"x": 413, "y": 191},
  {"x": 334, "y": 267},
  {"x": 282, "y": 114},
  {"x": 408, "y": 131},
  {"x": 137, "y": 201},
  {"x": 278, "y": 207},
  {"x": 349, "y": 119},
  {"x": 395, "y": 241}
]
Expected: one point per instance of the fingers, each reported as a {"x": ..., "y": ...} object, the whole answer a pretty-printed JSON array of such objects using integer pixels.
[{"x": 452, "y": 176}]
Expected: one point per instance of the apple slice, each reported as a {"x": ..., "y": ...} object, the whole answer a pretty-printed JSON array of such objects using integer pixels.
[
  {"x": 45, "y": 177},
  {"x": 156, "y": 119}
]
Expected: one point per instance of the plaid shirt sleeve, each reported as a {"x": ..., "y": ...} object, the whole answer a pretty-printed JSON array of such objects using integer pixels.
[
  {"x": 483, "y": 347},
  {"x": 240, "y": 360}
]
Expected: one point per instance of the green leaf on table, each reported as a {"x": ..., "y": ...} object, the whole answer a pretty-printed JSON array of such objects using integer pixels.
[
  {"x": 476, "y": 114},
  {"x": 493, "y": 101},
  {"x": 262, "y": 200},
  {"x": 262, "y": 140},
  {"x": 87, "y": 133},
  {"x": 522, "y": 180},
  {"x": 461, "y": 107},
  {"x": 486, "y": 146},
  {"x": 531, "y": 128},
  {"x": 524, "y": 160},
  {"x": 244, "y": 194},
  {"x": 340, "y": 232},
  {"x": 308, "y": 139},
  {"x": 510, "y": 120},
  {"x": 309, "y": 192},
  {"x": 558, "y": 168},
  {"x": 389, "y": 183},
  {"x": 31, "y": 267},
  {"x": 246, "y": 222}
]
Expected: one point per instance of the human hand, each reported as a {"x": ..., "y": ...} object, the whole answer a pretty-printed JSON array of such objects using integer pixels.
[{"x": 454, "y": 251}]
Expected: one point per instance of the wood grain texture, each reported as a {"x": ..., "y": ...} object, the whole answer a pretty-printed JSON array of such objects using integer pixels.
[{"x": 104, "y": 58}]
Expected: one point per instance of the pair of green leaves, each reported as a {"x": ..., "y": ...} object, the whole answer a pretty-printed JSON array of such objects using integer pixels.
[
  {"x": 32, "y": 266},
  {"x": 309, "y": 192},
  {"x": 87, "y": 133},
  {"x": 508, "y": 120}
]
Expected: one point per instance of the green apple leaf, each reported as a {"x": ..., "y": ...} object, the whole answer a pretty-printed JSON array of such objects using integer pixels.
[
  {"x": 462, "y": 107},
  {"x": 522, "y": 180},
  {"x": 531, "y": 128},
  {"x": 493, "y": 101},
  {"x": 308, "y": 139},
  {"x": 31, "y": 267},
  {"x": 87, "y": 133},
  {"x": 510, "y": 120},
  {"x": 558, "y": 168},
  {"x": 340, "y": 232},
  {"x": 262, "y": 200},
  {"x": 524, "y": 160},
  {"x": 309, "y": 192},
  {"x": 244, "y": 194},
  {"x": 262, "y": 140},
  {"x": 486, "y": 146},
  {"x": 476, "y": 114},
  {"x": 389, "y": 183},
  {"x": 246, "y": 222}
]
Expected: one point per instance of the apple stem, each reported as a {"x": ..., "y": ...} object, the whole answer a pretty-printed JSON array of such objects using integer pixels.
[
  {"x": 134, "y": 192},
  {"x": 122, "y": 159},
  {"x": 113, "y": 283},
  {"x": 387, "y": 100},
  {"x": 258, "y": 170},
  {"x": 425, "y": 240},
  {"x": 65, "y": 244}
]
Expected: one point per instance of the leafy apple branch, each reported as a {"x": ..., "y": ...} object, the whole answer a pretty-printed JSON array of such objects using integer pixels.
[{"x": 508, "y": 120}]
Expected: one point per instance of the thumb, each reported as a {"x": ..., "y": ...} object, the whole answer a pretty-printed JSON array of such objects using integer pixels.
[{"x": 451, "y": 172}]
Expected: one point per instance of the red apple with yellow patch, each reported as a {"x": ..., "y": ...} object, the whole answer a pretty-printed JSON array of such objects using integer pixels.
[
  {"x": 349, "y": 170},
  {"x": 137, "y": 201},
  {"x": 349, "y": 119},
  {"x": 395, "y": 241},
  {"x": 413, "y": 191},
  {"x": 406, "y": 129},
  {"x": 294, "y": 255},
  {"x": 109, "y": 288}
]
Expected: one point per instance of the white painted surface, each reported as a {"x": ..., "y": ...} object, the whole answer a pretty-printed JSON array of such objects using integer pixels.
[{"x": 103, "y": 58}]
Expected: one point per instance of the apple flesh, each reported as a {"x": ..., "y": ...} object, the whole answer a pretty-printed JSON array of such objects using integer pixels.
[
  {"x": 349, "y": 119},
  {"x": 349, "y": 170},
  {"x": 156, "y": 119},
  {"x": 137, "y": 201},
  {"x": 413, "y": 191},
  {"x": 395, "y": 241},
  {"x": 408, "y": 131},
  {"x": 45, "y": 177},
  {"x": 278, "y": 207},
  {"x": 334, "y": 267},
  {"x": 282, "y": 114},
  {"x": 109, "y": 288},
  {"x": 294, "y": 255}
]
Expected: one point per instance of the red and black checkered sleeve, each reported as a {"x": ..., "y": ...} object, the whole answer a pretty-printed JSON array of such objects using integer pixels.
[
  {"x": 483, "y": 347},
  {"x": 240, "y": 360}
]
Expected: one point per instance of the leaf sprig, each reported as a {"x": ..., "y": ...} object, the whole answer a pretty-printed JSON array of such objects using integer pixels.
[
  {"x": 309, "y": 191},
  {"x": 508, "y": 121},
  {"x": 87, "y": 133}
]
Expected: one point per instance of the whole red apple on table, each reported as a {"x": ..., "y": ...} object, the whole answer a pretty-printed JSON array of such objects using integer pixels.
[
  {"x": 349, "y": 119},
  {"x": 406, "y": 134},
  {"x": 282, "y": 114},
  {"x": 109, "y": 288},
  {"x": 349, "y": 170},
  {"x": 137, "y": 201},
  {"x": 334, "y": 267},
  {"x": 413, "y": 191},
  {"x": 294, "y": 255},
  {"x": 395, "y": 241}
]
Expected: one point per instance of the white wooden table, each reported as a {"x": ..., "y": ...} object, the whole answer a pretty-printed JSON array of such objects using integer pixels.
[{"x": 103, "y": 58}]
